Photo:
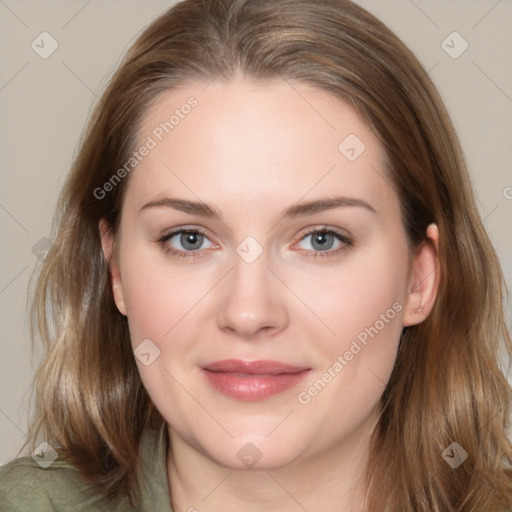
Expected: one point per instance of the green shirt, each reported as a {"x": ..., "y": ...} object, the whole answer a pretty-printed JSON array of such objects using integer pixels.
[{"x": 25, "y": 486}]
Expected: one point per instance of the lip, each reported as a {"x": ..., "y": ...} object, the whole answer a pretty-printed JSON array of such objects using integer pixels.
[{"x": 252, "y": 380}]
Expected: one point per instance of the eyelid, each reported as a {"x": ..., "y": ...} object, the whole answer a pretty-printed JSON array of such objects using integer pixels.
[
  {"x": 186, "y": 229},
  {"x": 323, "y": 227}
]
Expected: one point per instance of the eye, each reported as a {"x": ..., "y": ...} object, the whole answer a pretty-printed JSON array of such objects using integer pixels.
[
  {"x": 322, "y": 241},
  {"x": 184, "y": 242}
]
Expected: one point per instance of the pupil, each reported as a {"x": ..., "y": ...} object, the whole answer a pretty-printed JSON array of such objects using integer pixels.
[
  {"x": 190, "y": 239},
  {"x": 323, "y": 240}
]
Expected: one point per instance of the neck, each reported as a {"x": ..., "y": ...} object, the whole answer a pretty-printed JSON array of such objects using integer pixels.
[{"x": 331, "y": 481}]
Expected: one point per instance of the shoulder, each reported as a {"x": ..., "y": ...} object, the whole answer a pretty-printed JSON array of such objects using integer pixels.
[
  {"x": 55, "y": 485},
  {"x": 25, "y": 485}
]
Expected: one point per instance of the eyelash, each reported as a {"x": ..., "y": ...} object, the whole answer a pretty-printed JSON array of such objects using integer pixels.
[{"x": 347, "y": 243}]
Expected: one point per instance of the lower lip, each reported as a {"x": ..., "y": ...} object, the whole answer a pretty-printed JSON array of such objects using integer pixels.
[{"x": 252, "y": 387}]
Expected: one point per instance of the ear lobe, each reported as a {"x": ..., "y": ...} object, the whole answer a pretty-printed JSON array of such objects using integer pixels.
[
  {"x": 107, "y": 244},
  {"x": 424, "y": 280}
]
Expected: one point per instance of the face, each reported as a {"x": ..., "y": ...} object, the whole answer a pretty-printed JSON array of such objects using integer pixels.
[{"x": 272, "y": 316}]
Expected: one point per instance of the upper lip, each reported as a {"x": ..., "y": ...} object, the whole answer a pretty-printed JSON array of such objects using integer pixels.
[{"x": 253, "y": 367}]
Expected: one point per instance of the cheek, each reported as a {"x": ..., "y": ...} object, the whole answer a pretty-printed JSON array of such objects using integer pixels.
[
  {"x": 161, "y": 304},
  {"x": 158, "y": 296},
  {"x": 365, "y": 290},
  {"x": 149, "y": 306},
  {"x": 363, "y": 308},
  {"x": 362, "y": 305}
]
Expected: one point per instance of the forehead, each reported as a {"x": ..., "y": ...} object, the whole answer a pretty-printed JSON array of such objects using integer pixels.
[{"x": 275, "y": 138}]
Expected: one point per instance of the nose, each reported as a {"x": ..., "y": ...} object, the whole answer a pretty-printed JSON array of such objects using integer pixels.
[{"x": 253, "y": 300}]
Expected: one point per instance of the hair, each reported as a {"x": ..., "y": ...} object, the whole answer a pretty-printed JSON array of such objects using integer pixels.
[{"x": 447, "y": 385}]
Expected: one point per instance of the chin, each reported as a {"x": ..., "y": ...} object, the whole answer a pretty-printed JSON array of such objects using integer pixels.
[{"x": 253, "y": 453}]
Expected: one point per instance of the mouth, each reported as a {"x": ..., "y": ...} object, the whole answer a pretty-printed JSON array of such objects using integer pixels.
[{"x": 252, "y": 380}]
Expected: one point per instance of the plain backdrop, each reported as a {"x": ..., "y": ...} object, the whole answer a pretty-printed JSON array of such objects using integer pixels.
[{"x": 45, "y": 103}]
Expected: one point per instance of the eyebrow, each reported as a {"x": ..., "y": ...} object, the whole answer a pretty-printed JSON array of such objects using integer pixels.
[{"x": 297, "y": 210}]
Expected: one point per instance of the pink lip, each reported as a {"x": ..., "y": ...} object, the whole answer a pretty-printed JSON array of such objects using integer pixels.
[{"x": 252, "y": 380}]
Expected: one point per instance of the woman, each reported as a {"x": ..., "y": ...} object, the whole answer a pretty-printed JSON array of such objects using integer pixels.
[{"x": 270, "y": 287}]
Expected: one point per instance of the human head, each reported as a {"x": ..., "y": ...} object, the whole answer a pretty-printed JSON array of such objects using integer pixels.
[{"x": 339, "y": 48}]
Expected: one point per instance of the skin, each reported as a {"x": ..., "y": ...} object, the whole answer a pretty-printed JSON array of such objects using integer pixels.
[{"x": 251, "y": 150}]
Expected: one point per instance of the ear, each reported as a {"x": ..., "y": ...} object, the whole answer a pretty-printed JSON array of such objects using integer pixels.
[
  {"x": 107, "y": 244},
  {"x": 424, "y": 281}
]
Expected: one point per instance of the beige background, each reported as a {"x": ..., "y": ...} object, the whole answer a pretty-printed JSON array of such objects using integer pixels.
[{"x": 45, "y": 103}]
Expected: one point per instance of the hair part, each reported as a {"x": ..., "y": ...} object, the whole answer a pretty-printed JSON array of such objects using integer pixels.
[{"x": 446, "y": 385}]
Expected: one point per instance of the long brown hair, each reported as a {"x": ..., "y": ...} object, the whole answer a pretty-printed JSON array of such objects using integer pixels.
[{"x": 446, "y": 385}]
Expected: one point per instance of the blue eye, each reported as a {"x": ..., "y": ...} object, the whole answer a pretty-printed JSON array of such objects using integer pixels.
[
  {"x": 190, "y": 239},
  {"x": 323, "y": 240}
]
